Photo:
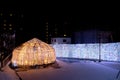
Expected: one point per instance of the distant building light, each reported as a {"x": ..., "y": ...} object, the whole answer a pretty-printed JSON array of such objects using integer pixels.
[
  {"x": 10, "y": 24},
  {"x": 10, "y": 28},
  {"x": 1, "y": 14},
  {"x": 4, "y": 25},
  {"x": 65, "y": 35},
  {"x": 11, "y": 14}
]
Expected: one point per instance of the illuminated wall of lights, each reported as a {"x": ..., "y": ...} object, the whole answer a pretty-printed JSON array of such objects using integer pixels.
[
  {"x": 103, "y": 51},
  {"x": 33, "y": 52}
]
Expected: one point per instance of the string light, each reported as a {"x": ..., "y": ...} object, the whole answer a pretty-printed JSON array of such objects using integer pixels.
[{"x": 33, "y": 52}]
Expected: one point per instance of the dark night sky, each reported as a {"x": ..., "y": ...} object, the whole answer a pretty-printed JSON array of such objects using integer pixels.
[
  {"x": 82, "y": 21},
  {"x": 79, "y": 17},
  {"x": 74, "y": 13}
]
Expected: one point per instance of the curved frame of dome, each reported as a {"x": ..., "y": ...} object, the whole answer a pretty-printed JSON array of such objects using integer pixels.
[{"x": 33, "y": 52}]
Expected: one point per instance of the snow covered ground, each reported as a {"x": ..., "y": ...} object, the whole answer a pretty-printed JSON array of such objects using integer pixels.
[
  {"x": 76, "y": 70},
  {"x": 8, "y": 74}
]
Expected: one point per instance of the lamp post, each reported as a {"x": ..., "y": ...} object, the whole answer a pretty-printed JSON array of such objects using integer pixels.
[
  {"x": 100, "y": 51},
  {"x": 99, "y": 38}
]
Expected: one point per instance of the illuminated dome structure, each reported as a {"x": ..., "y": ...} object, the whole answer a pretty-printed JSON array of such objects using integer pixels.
[{"x": 33, "y": 52}]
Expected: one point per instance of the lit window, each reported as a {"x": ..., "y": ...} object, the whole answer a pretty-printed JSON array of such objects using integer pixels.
[
  {"x": 10, "y": 28},
  {"x": 10, "y": 24},
  {"x": 4, "y": 25},
  {"x": 1, "y": 14},
  {"x": 65, "y": 35},
  {"x": 11, "y": 14}
]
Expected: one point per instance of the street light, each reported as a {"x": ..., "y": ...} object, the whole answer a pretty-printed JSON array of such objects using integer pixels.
[{"x": 99, "y": 38}]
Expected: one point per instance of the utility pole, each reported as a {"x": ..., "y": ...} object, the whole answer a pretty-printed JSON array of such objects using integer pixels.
[{"x": 99, "y": 38}]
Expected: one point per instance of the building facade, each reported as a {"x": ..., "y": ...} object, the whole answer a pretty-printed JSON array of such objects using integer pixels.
[{"x": 92, "y": 36}]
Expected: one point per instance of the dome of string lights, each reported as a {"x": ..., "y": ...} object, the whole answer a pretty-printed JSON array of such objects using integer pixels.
[{"x": 33, "y": 52}]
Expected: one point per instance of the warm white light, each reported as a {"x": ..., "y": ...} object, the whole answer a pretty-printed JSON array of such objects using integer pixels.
[
  {"x": 11, "y": 14},
  {"x": 1, "y": 14},
  {"x": 65, "y": 35},
  {"x": 4, "y": 25},
  {"x": 10, "y": 24},
  {"x": 33, "y": 52}
]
